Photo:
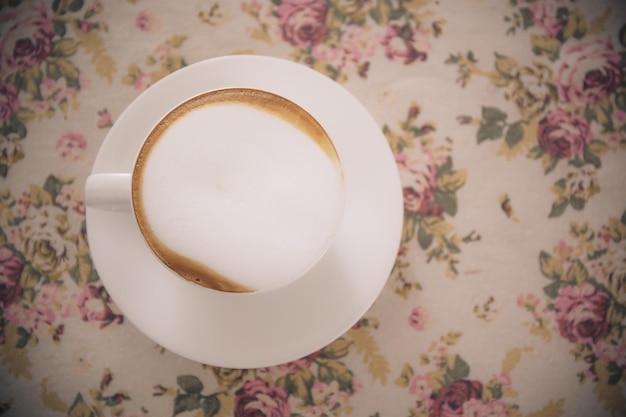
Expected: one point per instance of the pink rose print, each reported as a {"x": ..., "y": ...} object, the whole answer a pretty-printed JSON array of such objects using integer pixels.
[
  {"x": 257, "y": 398},
  {"x": 563, "y": 134},
  {"x": 11, "y": 267},
  {"x": 451, "y": 399},
  {"x": 97, "y": 7},
  {"x": 85, "y": 26},
  {"x": 563, "y": 250},
  {"x": 356, "y": 46},
  {"x": 603, "y": 238},
  {"x": 417, "y": 173},
  {"x": 619, "y": 116},
  {"x": 581, "y": 313},
  {"x": 24, "y": 203},
  {"x": 302, "y": 22},
  {"x": 25, "y": 36},
  {"x": 143, "y": 81},
  {"x": 329, "y": 54},
  {"x": 43, "y": 310},
  {"x": 358, "y": 43},
  {"x": 15, "y": 235},
  {"x": 400, "y": 44},
  {"x": 544, "y": 16},
  {"x": 589, "y": 71},
  {"x": 104, "y": 119},
  {"x": 47, "y": 297},
  {"x": 9, "y": 101},
  {"x": 326, "y": 398},
  {"x": 28, "y": 318},
  {"x": 70, "y": 147},
  {"x": 421, "y": 388},
  {"x": 54, "y": 93},
  {"x": 612, "y": 351},
  {"x": 94, "y": 305},
  {"x": 418, "y": 318},
  {"x": 440, "y": 353},
  {"x": 501, "y": 379},
  {"x": 616, "y": 138},
  {"x": 71, "y": 196},
  {"x": 477, "y": 408},
  {"x": 147, "y": 21}
]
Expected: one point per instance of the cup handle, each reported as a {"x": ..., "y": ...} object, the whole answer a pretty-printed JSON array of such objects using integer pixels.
[{"x": 108, "y": 192}]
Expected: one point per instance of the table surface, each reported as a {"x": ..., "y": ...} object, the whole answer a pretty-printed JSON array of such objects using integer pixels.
[{"x": 507, "y": 120}]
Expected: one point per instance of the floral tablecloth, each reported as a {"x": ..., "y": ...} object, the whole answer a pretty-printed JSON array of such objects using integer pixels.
[{"x": 507, "y": 120}]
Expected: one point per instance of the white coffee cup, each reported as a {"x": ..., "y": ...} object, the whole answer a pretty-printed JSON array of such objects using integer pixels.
[{"x": 236, "y": 190}]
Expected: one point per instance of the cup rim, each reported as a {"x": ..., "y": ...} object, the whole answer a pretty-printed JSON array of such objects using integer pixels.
[{"x": 143, "y": 226}]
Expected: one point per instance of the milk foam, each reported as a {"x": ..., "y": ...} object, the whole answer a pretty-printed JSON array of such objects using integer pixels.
[{"x": 243, "y": 192}]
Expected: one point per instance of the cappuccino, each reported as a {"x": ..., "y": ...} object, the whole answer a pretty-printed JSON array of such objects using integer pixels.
[{"x": 238, "y": 190}]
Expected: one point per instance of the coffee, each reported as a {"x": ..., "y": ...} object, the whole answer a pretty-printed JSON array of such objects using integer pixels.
[{"x": 238, "y": 190}]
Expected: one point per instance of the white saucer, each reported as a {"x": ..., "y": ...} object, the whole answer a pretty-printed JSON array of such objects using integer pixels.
[{"x": 271, "y": 327}]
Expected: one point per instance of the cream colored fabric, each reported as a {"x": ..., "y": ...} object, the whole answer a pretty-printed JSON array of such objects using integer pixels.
[{"x": 508, "y": 124}]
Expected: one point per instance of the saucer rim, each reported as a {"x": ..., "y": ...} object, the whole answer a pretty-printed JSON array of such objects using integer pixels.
[{"x": 97, "y": 221}]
